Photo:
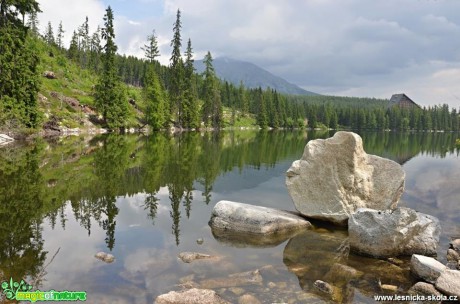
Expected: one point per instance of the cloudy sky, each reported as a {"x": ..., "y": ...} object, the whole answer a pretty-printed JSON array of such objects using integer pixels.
[{"x": 335, "y": 47}]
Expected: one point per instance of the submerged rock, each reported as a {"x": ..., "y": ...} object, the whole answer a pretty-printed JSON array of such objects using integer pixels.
[
  {"x": 391, "y": 233},
  {"x": 335, "y": 177},
  {"x": 426, "y": 268},
  {"x": 188, "y": 257},
  {"x": 244, "y": 218},
  {"x": 194, "y": 295},
  {"x": 242, "y": 240},
  {"x": 248, "y": 299},
  {"x": 105, "y": 257},
  {"x": 233, "y": 280}
]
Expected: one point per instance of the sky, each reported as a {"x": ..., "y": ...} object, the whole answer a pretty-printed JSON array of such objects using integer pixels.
[{"x": 334, "y": 47}]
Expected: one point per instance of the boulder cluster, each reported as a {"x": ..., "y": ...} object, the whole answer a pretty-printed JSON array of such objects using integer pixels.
[{"x": 337, "y": 181}]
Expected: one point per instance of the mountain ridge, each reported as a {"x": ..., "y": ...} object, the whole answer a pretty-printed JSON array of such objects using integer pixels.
[{"x": 251, "y": 75}]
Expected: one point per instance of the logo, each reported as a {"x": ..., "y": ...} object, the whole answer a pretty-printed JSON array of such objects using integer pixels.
[{"x": 23, "y": 292}]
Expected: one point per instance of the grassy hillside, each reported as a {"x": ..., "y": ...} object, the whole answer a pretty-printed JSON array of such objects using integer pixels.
[{"x": 67, "y": 98}]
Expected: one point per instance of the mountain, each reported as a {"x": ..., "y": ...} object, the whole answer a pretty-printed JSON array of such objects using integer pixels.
[{"x": 252, "y": 76}]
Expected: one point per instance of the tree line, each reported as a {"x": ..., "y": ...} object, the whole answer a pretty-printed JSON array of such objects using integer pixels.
[{"x": 175, "y": 95}]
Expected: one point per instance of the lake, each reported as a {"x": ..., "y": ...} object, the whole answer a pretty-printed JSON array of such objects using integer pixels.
[{"x": 145, "y": 199}]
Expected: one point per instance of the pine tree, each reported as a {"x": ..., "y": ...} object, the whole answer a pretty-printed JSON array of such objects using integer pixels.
[
  {"x": 151, "y": 50},
  {"x": 60, "y": 36},
  {"x": 212, "y": 109},
  {"x": 110, "y": 95},
  {"x": 177, "y": 73},
  {"x": 190, "y": 108}
]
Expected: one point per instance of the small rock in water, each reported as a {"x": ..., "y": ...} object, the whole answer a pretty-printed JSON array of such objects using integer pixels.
[
  {"x": 199, "y": 241},
  {"x": 324, "y": 287},
  {"x": 389, "y": 287},
  {"x": 188, "y": 257},
  {"x": 452, "y": 255},
  {"x": 105, "y": 257},
  {"x": 423, "y": 288},
  {"x": 455, "y": 245}
]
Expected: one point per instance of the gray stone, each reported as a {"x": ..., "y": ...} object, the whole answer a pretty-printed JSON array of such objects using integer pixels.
[
  {"x": 426, "y": 268},
  {"x": 390, "y": 233},
  {"x": 423, "y": 288},
  {"x": 449, "y": 283},
  {"x": 191, "y": 296},
  {"x": 244, "y": 218},
  {"x": 335, "y": 177}
]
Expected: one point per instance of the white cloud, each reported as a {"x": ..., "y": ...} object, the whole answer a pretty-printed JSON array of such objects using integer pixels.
[
  {"x": 72, "y": 14},
  {"x": 360, "y": 47}
]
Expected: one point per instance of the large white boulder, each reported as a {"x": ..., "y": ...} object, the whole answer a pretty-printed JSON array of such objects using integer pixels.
[
  {"x": 245, "y": 218},
  {"x": 335, "y": 177},
  {"x": 390, "y": 233}
]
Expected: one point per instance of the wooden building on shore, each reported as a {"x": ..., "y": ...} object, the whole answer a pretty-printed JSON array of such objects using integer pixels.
[{"x": 403, "y": 101}]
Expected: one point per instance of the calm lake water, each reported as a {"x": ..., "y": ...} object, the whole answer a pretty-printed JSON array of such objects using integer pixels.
[{"x": 147, "y": 199}]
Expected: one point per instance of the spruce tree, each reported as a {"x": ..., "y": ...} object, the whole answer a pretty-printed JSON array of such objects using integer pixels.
[
  {"x": 110, "y": 95},
  {"x": 262, "y": 119},
  {"x": 49, "y": 34},
  {"x": 19, "y": 78},
  {"x": 244, "y": 100},
  {"x": 157, "y": 112},
  {"x": 150, "y": 49},
  {"x": 84, "y": 43},
  {"x": 190, "y": 105},
  {"x": 212, "y": 113},
  {"x": 60, "y": 36},
  {"x": 72, "y": 53},
  {"x": 95, "y": 50},
  {"x": 32, "y": 23},
  {"x": 177, "y": 73}
]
